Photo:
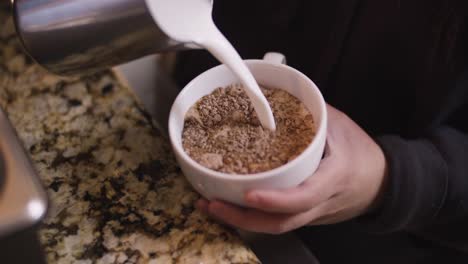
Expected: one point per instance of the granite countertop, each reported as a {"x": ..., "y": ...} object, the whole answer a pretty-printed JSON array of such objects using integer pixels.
[{"x": 117, "y": 195}]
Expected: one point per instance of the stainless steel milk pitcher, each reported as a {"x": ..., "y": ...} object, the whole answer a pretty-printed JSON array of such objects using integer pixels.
[{"x": 78, "y": 36}]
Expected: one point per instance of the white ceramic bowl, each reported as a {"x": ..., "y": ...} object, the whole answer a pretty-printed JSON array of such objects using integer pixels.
[{"x": 269, "y": 72}]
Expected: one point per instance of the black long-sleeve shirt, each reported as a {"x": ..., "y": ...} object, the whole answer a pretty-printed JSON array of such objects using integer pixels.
[{"x": 397, "y": 68}]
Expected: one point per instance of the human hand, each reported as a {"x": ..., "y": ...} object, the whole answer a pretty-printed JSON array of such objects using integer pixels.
[{"x": 346, "y": 185}]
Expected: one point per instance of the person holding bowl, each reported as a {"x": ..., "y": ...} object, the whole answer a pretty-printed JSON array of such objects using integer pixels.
[{"x": 393, "y": 184}]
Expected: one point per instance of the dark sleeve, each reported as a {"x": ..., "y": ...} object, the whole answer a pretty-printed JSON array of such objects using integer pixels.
[{"x": 426, "y": 191}]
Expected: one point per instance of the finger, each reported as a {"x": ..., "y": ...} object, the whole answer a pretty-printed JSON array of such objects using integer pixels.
[
  {"x": 255, "y": 220},
  {"x": 202, "y": 205},
  {"x": 334, "y": 114},
  {"x": 333, "y": 211},
  {"x": 315, "y": 190}
]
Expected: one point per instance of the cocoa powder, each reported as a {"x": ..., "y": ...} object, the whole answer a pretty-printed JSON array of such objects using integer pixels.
[{"x": 222, "y": 131}]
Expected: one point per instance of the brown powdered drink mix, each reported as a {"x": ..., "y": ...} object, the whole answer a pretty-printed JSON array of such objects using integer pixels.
[{"x": 222, "y": 131}]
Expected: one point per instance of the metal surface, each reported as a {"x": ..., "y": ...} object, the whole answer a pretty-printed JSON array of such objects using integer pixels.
[
  {"x": 78, "y": 36},
  {"x": 23, "y": 202}
]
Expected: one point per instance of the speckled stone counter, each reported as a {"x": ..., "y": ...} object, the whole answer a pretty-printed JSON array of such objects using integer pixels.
[{"x": 117, "y": 195}]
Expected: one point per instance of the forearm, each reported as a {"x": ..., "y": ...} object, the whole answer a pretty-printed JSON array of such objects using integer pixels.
[{"x": 427, "y": 187}]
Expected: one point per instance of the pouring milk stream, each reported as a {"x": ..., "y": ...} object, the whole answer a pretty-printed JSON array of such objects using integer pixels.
[{"x": 197, "y": 26}]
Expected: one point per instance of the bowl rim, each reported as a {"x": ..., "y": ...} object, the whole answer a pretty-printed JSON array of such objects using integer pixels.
[{"x": 313, "y": 145}]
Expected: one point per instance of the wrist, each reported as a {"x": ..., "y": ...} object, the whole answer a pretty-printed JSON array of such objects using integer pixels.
[{"x": 381, "y": 190}]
